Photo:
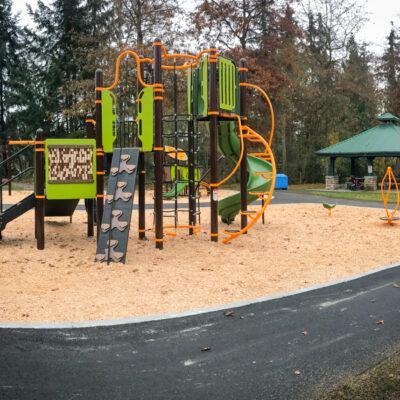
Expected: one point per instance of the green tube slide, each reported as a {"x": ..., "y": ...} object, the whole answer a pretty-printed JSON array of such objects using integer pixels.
[{"x": 229, "y": 144}]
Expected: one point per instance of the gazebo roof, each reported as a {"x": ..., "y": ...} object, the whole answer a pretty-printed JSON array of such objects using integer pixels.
[{"x": 382, "y": 140}]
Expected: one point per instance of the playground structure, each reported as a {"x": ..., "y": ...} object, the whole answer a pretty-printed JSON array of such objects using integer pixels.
[
  {"x": 67, "y": 170},
  {"x": 388, "y": 180}
]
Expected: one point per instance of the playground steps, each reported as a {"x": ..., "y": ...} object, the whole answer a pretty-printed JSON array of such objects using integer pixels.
[
  {"x": 17, "y": 210},
  {"x": 114, "y": 233}
]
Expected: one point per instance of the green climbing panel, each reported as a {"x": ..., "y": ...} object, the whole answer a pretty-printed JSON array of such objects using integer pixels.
[
  {"x": 198, "y": 89},
  {"x": 70, "y": 169},
  {"x": 144, "y": 118},
  {"x": 108, "y": 120},
  {"x": 228, "y": 85}
]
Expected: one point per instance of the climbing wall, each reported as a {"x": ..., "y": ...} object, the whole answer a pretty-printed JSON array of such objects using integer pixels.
[{"x": 113, "y": 240}]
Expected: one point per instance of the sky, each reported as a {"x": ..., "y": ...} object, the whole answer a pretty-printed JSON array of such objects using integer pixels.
[{"x": 380, "y": 13}]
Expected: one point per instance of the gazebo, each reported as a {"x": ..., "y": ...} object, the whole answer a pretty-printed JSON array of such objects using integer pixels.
[{"x": 383, "y": 140}]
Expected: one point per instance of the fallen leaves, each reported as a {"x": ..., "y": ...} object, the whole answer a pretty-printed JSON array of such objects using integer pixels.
[{"x": 229, "y": 313}]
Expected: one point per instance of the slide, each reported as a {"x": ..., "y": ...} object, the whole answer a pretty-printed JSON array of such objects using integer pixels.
[
  {"x": 177, "y": 189},
  {"x": 229, "y": 144}
]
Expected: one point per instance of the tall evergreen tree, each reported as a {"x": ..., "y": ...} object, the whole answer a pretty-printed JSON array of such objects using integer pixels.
[
  {"x": 55, "y": 43},
  {"x": 390, "y": 65},
  {"x": 9, "y": 68}
]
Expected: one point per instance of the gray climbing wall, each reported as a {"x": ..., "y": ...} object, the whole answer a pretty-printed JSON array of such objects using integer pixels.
[{"x": 113, "y": 240}]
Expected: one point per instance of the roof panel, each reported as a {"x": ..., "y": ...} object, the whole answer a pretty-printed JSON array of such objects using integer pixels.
[{"x": 383, "y": 139}]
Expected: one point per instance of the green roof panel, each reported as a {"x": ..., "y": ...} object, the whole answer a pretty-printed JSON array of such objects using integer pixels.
[{"x": 381, "y": 140}]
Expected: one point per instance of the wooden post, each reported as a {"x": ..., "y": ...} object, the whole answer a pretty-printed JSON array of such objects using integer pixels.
[
  {"x": 141, "y": 182},
  {"x": 99, "y": 154},
  {"x": 243, "y": 164},
  {"x": 39, "y": 189},
  {"x": 158, "y": 146},
  {"x": 213, "y": 112},
  {"x": 90, "y": 134}
]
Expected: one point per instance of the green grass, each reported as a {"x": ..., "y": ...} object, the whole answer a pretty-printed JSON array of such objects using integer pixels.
[
  {"x": 379, "y": 383},
  {"x": 356, "y": 195}
]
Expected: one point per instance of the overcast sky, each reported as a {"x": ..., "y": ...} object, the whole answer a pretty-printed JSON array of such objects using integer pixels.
[{"x": 375, "y": 31}]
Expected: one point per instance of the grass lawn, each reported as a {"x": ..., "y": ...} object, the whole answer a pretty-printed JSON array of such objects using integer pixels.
[
  {"x": 381, "y": 382},
  {"x": 356, "y": 195}
]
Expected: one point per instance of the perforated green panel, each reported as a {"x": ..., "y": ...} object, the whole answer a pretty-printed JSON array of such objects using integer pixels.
[
  {"x": 108, "y": 119},
  {"x": 144, "y": 118}
]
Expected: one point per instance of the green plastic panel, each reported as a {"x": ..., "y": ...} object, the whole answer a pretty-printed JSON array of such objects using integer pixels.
[
  {"x": 227, "y": 84},
  {"x": 70, "y": 169},
  {"x": 203, "y": 106},
  {"x": 108, "y": 120},
  {"x": 144, "y": 118},
  {"x": 183, "y": 173}
]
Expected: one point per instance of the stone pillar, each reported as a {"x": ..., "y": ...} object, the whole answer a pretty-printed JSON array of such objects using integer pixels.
[
  {"x": 331, "y": 182},
  {"x": 370, "y": 182}
]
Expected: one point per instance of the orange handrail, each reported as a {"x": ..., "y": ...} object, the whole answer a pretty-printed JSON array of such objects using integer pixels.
[
  {"x": 138, "y": 60},
  {"x": 33, "y": 142},
  {"x": 385, "y": 197},
  {"x": 254, "y": 218},
  {"x": 271, "y": 108}
]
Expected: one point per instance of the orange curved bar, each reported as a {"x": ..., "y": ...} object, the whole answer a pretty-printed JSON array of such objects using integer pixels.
[
  {"x": 177, "y": 55},
  {"x": 260, "y": 212},
  {"x": 235, "y": 168},
  {"x": 117, "y": 64},
  {"x": 180, "y": 67},
  {"x": 385, "y": 197},
  {"x": 271, "y": 108}
]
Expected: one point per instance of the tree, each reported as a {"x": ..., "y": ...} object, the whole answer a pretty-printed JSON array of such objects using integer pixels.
[
  {"x": 9, "y": 68},
  {"x": 390, "y": 68},
  {"x": 234, "y": 22},
  {"x": 141, "y": 21}
]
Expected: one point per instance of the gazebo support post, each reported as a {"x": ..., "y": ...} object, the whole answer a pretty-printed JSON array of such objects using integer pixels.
[
  {"x": 331, "y": 181},
  {"x": 370, "y": 180},
  {"x": 352, "y": 166}
]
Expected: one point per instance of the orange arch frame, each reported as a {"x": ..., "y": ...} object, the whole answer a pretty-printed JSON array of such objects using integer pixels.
[{"x": 390, "y": 177}]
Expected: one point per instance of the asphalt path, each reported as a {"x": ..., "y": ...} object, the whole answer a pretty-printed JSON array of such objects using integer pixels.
[{"x": 292, "y": 347}]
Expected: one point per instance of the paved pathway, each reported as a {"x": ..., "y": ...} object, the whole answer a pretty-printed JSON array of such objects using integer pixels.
[{"x": 253, "y": 354}]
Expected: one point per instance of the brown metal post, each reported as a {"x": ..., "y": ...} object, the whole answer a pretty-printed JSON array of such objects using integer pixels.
[
  {"x": 90, "y": 134},
  {"x": 141, "y": 183},
  {"x": 99, "y": 153},
  {"x": 243, "y": 164},
  {"x": 213, "y": 112},
  {"x": 191, "y": 176},
  {"x": 158, "y": 145},
  {"x": 39, "y": 189}
]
